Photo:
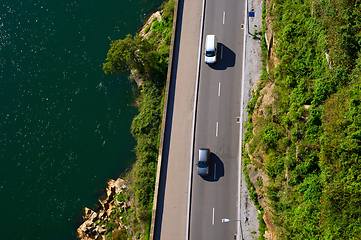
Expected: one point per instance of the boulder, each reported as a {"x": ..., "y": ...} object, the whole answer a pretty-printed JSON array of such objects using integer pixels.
[
  {"x": 149, "y": 22},
  {"x": 271, "y": 232}
]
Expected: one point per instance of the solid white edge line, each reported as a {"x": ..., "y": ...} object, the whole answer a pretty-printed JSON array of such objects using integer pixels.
[
  {"x": 193, "y": 123},
  {"x": 239, "y": 233}
]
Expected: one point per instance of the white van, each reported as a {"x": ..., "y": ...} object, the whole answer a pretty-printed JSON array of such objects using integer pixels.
[{"x": 211, "y": 49}]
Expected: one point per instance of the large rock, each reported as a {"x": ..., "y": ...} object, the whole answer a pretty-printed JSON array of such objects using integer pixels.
[
  {"x": 115, "y": 185},
  {"x": 270, "y": 234},
  {"x": 157, "y": 15},
  {"x": 266, "y": 98}
]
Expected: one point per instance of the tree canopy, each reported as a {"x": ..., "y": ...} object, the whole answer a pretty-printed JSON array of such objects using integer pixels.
[{"x": 131, "y": 53}]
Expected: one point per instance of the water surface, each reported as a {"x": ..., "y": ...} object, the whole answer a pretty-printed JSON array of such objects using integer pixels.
[{"x": 64, "y": 124}]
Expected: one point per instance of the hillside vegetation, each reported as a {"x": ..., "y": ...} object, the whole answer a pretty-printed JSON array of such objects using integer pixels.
[
  {"x": 311, "y": 132},
  {"x": 146, "y": 58}
]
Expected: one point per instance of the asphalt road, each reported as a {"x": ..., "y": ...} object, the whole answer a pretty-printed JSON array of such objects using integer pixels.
[
  {"x": 216, "y": 127},
  {"x": 218, "y": 109},
  {"x": 171, "y": 221}
]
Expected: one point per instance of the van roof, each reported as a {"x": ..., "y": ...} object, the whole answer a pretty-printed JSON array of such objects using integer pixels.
[{"x": 210, "y": 39}]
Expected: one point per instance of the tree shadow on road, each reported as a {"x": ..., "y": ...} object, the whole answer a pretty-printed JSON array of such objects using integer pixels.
[
  {"x": 216, "y": 170},
  {"x": 225, "y": 58}
]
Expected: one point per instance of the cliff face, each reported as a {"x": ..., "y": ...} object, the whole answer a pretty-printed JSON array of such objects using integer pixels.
[{"x": 256, "y": 170}]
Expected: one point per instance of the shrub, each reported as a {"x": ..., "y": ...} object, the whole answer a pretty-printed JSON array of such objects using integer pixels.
[
  {"x": 317, "y": 151},
  {"x": 271, "y": 136},
  {"x": 119, "y": 234},
  {"x": 146, "y": 30}
]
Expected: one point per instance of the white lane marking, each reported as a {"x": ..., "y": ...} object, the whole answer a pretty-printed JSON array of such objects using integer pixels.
[
  {"x": 213, "y": 217},
  {"x": 240, "y": 177},
  {"x": 222, "y": 52},
  {"x": 217, "y": 130},
  {"x": 215, "y": 166},
  {"x": 194, "y": 123},
  {"x": 219, "y": 89},
  {"x": 224, "y": 17}
]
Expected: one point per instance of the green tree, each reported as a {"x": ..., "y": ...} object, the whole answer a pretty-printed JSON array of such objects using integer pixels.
[
  {"x": 121, "y": 56},
  {"x": 131, "y": 53},
  {"x": 147, "y": 55}
]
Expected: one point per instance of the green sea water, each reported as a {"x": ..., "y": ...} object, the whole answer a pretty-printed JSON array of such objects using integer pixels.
[{"x": 64, "y": 124}]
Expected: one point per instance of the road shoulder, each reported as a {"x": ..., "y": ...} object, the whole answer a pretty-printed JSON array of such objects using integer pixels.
[{"x": 252, "y": 74}]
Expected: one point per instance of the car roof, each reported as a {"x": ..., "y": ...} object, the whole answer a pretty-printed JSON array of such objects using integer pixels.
[{"x": 203, "y": 154}]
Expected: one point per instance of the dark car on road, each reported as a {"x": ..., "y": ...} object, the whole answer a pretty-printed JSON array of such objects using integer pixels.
[{"x": 203, "y": 164}]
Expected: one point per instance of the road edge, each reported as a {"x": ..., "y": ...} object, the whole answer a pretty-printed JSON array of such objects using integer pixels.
[
  {"x": 240, "y": 170},
  {"x": 165, "y": 107},
  {"x": 194, "y": 123}
]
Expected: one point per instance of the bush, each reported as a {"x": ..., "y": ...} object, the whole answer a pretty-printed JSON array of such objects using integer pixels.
[
  {"x": 271, "y": 136},
  {"x": 313, "y": 156},
  {"x": 146, "y": 30},
  {"x": 119, "y": 234}
]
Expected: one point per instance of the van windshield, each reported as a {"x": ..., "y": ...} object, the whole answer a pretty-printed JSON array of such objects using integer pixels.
[{"x": 210, "y": 53}]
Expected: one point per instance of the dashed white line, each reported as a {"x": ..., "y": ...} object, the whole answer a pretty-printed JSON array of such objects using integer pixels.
[
  {"x": 213, "y": 217},
  {"x": 217, "y": 130},
  {"x": 219, "y": 89},
  {"x": 224, "y": 17}
]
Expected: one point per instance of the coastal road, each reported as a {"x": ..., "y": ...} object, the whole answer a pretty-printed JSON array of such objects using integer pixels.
[
  {"x": 171, "y": 218},
  {"x": 189, "y": 207},
  {"x": 217, "y": 124}
]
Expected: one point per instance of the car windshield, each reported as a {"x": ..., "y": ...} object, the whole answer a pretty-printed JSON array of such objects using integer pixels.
[
  {"x": 202, "y": 164},
  {"x": 210, "y": 54}
]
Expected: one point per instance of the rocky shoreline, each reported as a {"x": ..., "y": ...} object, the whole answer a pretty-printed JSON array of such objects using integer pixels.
[{"x": 95, "y": 222}]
